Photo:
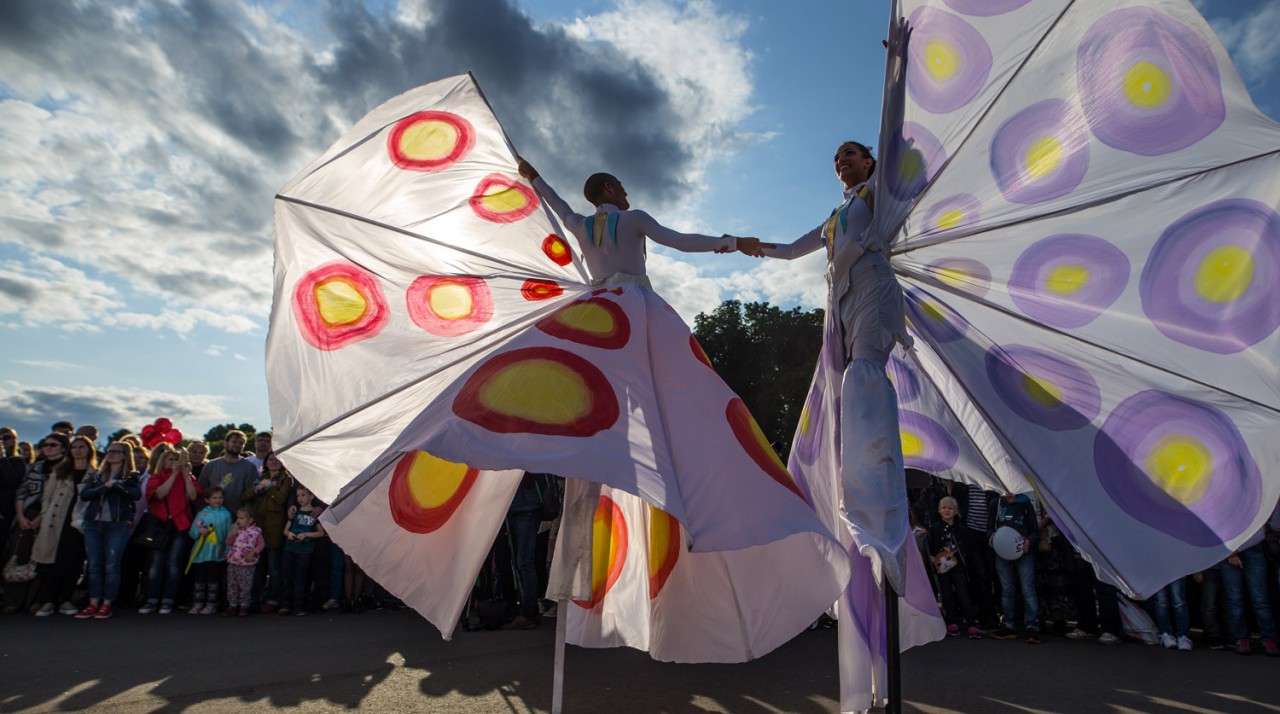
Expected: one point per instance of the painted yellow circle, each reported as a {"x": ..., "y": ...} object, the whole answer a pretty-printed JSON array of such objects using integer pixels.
[
  {"x": 602, "y": 556},
  {"x": 1181, "y": 466},
  {"x": 954, "y": 278},
  {"x": 950, "y": 219},
  {"x": 450, "y": 301},
  {"x": 539, "y": 390},
  {"x": 504, "y": 201},
  {"x": 429, "y": 140},
  {"x": 941, "y": 60},
  {"x": 1224, "y": 274},
  {"x": 1147, "y": 86},
  {"x": 1042, "y": 390},
  {"x": 1066, "y": 279},
  {"x": 912, "y": 444},
  {"x": 1043, "y": 157},
  {"x": 910, "y": 165},
  {"x": 433, "y": 481},
  {"x": 339, "y": 302},
  {"x": 660, "y": 537},
  {"x": 587, "y": 317}
]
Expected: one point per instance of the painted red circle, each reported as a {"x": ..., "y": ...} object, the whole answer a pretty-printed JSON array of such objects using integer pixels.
[
  {"x": 318, "y": 332},
  {"x": 466, "y": 140},
  {"x": 557, "y": 250},
  {"x": 537, "y": 289},
  {"x": 499, "y": 182},
  {"x": 418, "y": 300}
]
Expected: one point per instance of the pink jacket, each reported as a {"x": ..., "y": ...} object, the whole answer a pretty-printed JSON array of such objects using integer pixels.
[{"x": 244, "y": 547}]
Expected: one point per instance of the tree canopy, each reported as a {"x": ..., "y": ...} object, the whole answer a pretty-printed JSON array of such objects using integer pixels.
[{"x": 767, "y": 356}]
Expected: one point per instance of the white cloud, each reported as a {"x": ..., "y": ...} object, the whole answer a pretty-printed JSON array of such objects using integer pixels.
[
  {"x": 31, "y": 409},
  {"x": 215, "y": 350},
  {"x": 1251, "y": 40},
  {"x": 240, "y": 357},
  {"x": 46, "y": 364},
  {"x": 43, "y": 291}
]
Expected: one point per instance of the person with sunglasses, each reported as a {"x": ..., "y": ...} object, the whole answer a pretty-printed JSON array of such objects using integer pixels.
[
  {"x": 111, "y": 494},
  {"x": 59, "y": 545},
  {"x": 27, "y": 507}
]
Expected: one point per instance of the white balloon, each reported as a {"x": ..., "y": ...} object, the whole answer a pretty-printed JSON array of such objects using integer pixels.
[{"x": 1008, "y": 543}]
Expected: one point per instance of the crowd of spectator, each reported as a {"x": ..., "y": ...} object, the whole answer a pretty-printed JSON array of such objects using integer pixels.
[
  {"x": 1044, "y": 586},
  {"x": 85, "y": 532}
]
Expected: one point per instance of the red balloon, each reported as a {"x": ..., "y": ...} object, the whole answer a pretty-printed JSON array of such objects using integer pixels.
[
  {"x": 149, "y": 432},
  {"x": 173, "y": 436},
  {"x": 163, "y": 425}
]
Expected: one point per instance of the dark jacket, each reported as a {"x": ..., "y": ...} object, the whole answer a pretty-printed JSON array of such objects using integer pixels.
[
  {"x": 1019, "y": 515},
  {"x": 119, "y": 500}
]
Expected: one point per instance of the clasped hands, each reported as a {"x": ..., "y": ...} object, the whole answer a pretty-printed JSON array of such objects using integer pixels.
[{"x": 750, "y": 246}]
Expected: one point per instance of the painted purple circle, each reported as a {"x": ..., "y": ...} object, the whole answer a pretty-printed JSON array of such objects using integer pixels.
[
  {"x": 952, "y": 213},
  {"x": 1043, "y": 388},
  {"x": 1063, "y": 167},
  {"x": 1067, "y": 280},
  {"x": 985, "y": 8},
  {"x": 1176, "y": 307},
  {"x": 808, "y": 442},
  {"x": 935, "y": 450},
  {"x": 964, "y": 44},
  {"x": 912, "y": 160},
  {"x": 1178, "y": 113},
  {"x": 933, "y": 317},
  {"x": 905, "y": 381},
  {"x": 1143, "y": 423},
  {"x": 964, "y": 274}
]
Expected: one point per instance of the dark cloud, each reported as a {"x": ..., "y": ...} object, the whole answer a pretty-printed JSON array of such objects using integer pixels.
[
  {"x": 24, "y": 292},
  {"x": 610, "y": 110},
  {"x": 32, "y": 410}
]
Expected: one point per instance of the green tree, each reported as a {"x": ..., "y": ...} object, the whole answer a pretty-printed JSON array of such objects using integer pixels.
[
  {"x": 767, "y": 356},
  {"x": 117, "y": 434},
  {"x": 216, "y": 435}
]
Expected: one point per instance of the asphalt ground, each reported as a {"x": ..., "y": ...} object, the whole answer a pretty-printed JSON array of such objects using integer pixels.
[{"x": 394, "y": 661}]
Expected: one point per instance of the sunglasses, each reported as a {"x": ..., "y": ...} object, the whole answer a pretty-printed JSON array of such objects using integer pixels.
[
  {"x": 51, "y": 445},
  {"x": 115, "y": 451}
]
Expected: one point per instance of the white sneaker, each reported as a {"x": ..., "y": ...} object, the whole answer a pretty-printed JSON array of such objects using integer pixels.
[
  {"x": 1167, "y": 641},
  {"x": 330, "y": 604},
  {"x": 195, "y": 608},
  {"x": 67, "y": 608},
  {"x": 210, "y": 608},
  {"x": 166, "y": 608},
  {"x": 1107, "y": 638},
  {"x": 46, "y": 610},
  {"x": 1184, "y": 643},
  {"x": 147, "y": 609}
]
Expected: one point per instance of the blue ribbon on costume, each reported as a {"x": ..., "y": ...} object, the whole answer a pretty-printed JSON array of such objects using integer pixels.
[{"x": 600, "y": 224}]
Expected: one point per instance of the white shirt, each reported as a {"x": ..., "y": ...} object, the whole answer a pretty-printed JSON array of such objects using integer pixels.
[
  {"x": 628, "y": 254},
  {"x": 847, "y": 228}
]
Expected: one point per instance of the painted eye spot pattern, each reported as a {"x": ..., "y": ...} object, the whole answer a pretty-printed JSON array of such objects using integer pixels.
[
  {"x": 664, "y": 548},
  {"x": 609, "y": 543},
  {"x": 812, "y": 420},
  {"x": 555, "y": 248},
  {"x": 1068, "y": 280},
  {"x": 905, "y": 382},
  {"x": 1148, "y": 84},
  {"x": 449, "y": 306},
  {"x": 931, "y": 316},
  {"x": 952, "y": 213},
  {"x": 595, "y": 322},
  {"x": 502, "y": 199},
  {"x": 338, "y": 304},
  {"x": 538, "y": 390},
  {"x": 1043, "y": 388},
  {"x": 925, "y": 444},
  {"x": 535, "y": 289},
  {"x": 912, "y": 160},
  {"x": 1179, "y": 466},
  {"x": 985, "y": 8},
  {"x": 426, "y": 490},
  {"x": 964, "y": 274},
  {"x": 430, "y": 141},
  {"x": 1040, "y": 153},
  {"x": 948, "y": 61},
  {"x": 753, "y": 441},
  {"x": 699, "y": 353},
  {"x": 1212, "y": 280}
]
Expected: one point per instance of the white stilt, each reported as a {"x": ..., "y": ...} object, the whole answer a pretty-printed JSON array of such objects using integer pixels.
[{"x": 557, "y": 679}]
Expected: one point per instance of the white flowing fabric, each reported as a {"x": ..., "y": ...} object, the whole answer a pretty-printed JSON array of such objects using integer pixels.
[
  {"x": 432, "y": 328},
  {"x": 1082, "y": 201}
]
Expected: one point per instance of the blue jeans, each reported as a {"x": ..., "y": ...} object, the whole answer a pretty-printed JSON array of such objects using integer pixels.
[
  {"x": 524, "y": 541},
  {"x": 268, "y": 570},
  {"x": 104, "y": 543},
  {"x": 1176, "y": 592},
  {"x": 1253, "y": 578},
  {"x": 165, "y": 566},
  {"x": 1024, "y": 570}
]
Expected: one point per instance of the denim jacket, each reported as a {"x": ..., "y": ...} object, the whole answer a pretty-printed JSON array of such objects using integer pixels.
[{"x": 116, "y": 502}]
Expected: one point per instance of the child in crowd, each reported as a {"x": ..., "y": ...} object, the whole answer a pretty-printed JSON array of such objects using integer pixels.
[
  {"x": 300, "y": 535},
  {"x": 949, "y": 541},
  {"x": 244, "y": 545},
  {"x": 209, "y": 554}
]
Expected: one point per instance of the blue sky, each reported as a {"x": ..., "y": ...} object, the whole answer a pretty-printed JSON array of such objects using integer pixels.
[{"x": 141, "y": 144}]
